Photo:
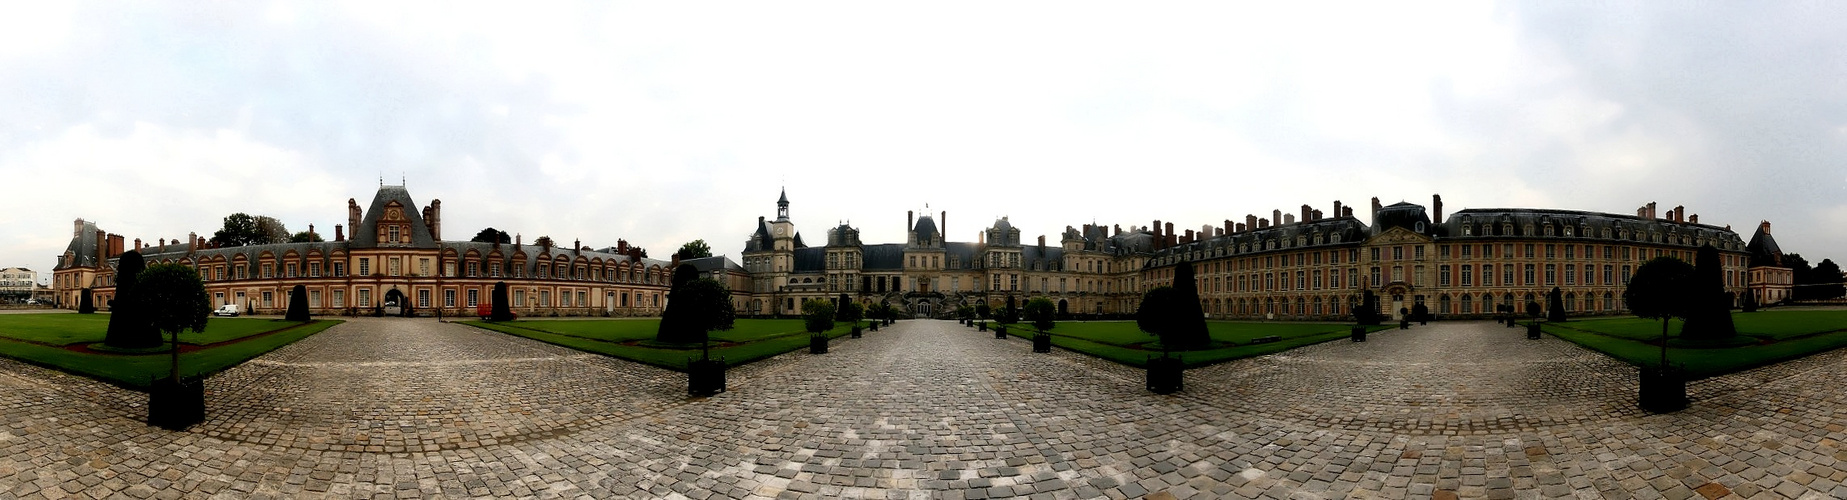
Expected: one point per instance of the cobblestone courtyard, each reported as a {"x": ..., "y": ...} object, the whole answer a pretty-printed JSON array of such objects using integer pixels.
[{"x": 930, "y": 409}]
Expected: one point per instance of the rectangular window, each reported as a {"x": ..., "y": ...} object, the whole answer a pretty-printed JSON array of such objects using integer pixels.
[
  {"x": 581, "y": 300},
  {"x": 365, "y": 297},
  {"x": 474, "y": 297},
  {"x": 339, "y": 269},
  {"x": 1301, "y": 280},
  {"x": 1608, "y": 275},
  {"x": 1569, "y": 251},
  {"x": 1625, "y": 275},
  {"x": 339, "y": 298},
  {"x": 1375, "y": 277},
  {"x": 474, "y": 269},
  {"x": 1317, "y": 279},
  {"x": 314, "y": 298},
  {"x": 449, "y": 269},
  {"x": 1529, "y": 250},
  {"x": 1442, "y": 275},
  {"x": 269, "y": 299},
  {"x": 1487, "y": 275},
  {"x": 1528, "y": 274},
  {"x": 395, "y": 264},
  {"x": 1468, "y": 274},
  {"x": 1589, "y": 274},
  {"x": 314, "y": 269},
  {"x": 448, "y": 298},
  {"x": 218, "y": 273},
  {"x": 291, "y": 269},
  {"x": 1571, "y": 273},
  {"x": 1467, "y": 251},
  {"x": 1442, "y": 251},
  {"x": 365, "y": 266},
  {"x": 269, "y": 270},
  {"x": 1507, "y": 251},
  {"x": 1551, "y": 274},
  {"x": 545, "y": 298},
  {"x": 1417, "y": 252},
  {"x": 1375, "y": 254}
]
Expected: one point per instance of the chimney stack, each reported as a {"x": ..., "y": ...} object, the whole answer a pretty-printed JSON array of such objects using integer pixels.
[
  {"x": 1651, "y": 210},
  {"x": 1189, "y": 236},
  {"x": 1276, "y": 217},
  {"x": 942, "y": 225},
  {"x": 1680, "y": 213},
  {"x": 1241, "y": 227},
  {"x": 1218, "y": 231},
  {"x": 352, "y": 215},
  {"x": 1168, "y": 230},
  {"x": 1375, "y": 210},
  {"x": 518, "y": 240},
  {"x": 1764, "y": 227},
  {"x": 1693, "y": 218},
  {"x": 163, "y": 243},
  {"x": 339, "y": 233},
  {"x": 1306, "y": 211},
  {"x": 1436, "y": 209},
  {"x": 192, "y": 240},
  {"x": 1227, "y": 229},
  {"x": 78, "y": 230},
  {"x": 115, "y": 244},
  {"x": 1288, "y": 218},
  {"x": 138, "y": 246},
  {"x": 1317, "y": 214},
  {"x": 1250, "y": 221},
  {"x": 1118, "y": 230},
  {"x": 1337, "y": 211},
  {"x": 1346, "y": 212},
  {"x": 1041, "y": 241},
  {"x": 436, "y": 222},
  {"x": 1670, "y": 215},
  {"x": 1263, "y": 223}
]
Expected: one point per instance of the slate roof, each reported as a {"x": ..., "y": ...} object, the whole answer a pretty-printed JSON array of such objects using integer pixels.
[
  {"x": 882, "y": 257},
  {"x": 366, "y": 235},
  {"x": 1763, "y": 248},
  {"x": 810, "y": 260},
  {"x": 706, "y": 265},
  {"x": 83, "y": 247}
]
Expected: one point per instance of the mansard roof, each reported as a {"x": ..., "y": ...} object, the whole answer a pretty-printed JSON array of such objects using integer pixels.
[
  {"x": 810, "y": 260},
  {"x": 366, "y": 235},
  {"x": 1763, "y": 248},
  {"x": 82, "y": 248},
  {"x": 882, "y": 257}
]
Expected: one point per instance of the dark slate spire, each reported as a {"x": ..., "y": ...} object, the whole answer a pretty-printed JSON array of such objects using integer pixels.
[{"x": 782, "y": 206}]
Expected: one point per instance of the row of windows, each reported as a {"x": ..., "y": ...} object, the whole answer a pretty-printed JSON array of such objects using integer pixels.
[{"x": 337, "y": 298}]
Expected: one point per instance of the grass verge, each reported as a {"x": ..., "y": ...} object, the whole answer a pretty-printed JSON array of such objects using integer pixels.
[
  {"x": 1122, "y": 342},
  {"x": 1768, "y": 337},
  {"x": 49, "y": 340}
]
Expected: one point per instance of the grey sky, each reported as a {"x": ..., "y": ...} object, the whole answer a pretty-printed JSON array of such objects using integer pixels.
[{"x": 660, "y": 124}]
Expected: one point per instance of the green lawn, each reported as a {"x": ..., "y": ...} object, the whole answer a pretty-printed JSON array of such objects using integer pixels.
[
  {"x": 1122, "y": 342},
  {"x": 1775, "y": 335},
  {"x": 18, "y": 331},
  {"x": 632, "y": 339}
]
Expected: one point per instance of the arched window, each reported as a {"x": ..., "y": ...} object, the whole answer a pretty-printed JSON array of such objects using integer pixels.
[{"x": 1467, "y": 308}]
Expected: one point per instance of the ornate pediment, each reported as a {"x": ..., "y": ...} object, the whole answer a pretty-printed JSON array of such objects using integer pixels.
[{"x": 1398, "y": 235}]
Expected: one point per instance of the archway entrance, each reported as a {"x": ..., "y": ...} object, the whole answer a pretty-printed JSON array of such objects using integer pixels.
[
  {"x": 1063, "y": 307},
  {"x": 923, "y": 309},
  {"x": 395, "y": 305}
]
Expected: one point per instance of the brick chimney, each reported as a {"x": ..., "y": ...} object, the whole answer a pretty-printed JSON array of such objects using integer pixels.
[
  {"x": 352, "y": 215},
  {"x": 1276, "y": 217},
  {"x": 1288, "y": 218},
  {"x": 138, "y": 246},
  {"x": 1375, "y": 209},
  {"x": 1306, "y": 212},
  {"x": 1346, "y": 212},
  {"x": 1263, "y": 223},
  {"x": 1250, "y": 221},
  {"x": 1764, "y": 227},
  {"x": 1693, "y": 218},
  {"x": 1651, "y": 210},
  {"x": 1436, "y": 209},
  {"x": 1316, "y": 213},
  {"x": 910, "y": 220},
  {"x": 1680, "y": 213},
  {"x": 192, "y": 240},
  {"x": 339, "y": 233},
  {"x": 1241, "y": 227},
  {"x": 1337, "y": 211},
  {"x": 1041, "y": 241}
]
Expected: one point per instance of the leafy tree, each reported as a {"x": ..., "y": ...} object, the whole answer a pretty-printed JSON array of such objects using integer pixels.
[
  {"x": 693, "y": 250},
  {"x": 306, "y": 237},
  {"x": 1661, "y": 288},
  {"x": 965, "y": 312},
  {"x": 1828, "y": 280},
  {"x": 1710, "y": 316},
  {"x": 1042, "y": 313},
  {"x": 817, "y": 315},
  {"x": 850, "y": 312},
  {"x": 544, "y": 241},
  {"x": 1010, "y": 314},
  {"x": 240, "y": 229},
  {"x": 1173, "y": 314},
  {"x": 298, "y": 304},
  {"x": 687, "y": 321},
  {"x": 1800, "y": 275},
  {"x": 272, "y": 230},
  {"x": 174, "y": 299},
  {"x": 500, "y": 311},
  {"x": 128, "y": 326},
  {"x": 491, "y": 235}
]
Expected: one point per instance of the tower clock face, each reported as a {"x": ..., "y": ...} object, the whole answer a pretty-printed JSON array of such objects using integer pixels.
[{"x": 779, "y": 231}]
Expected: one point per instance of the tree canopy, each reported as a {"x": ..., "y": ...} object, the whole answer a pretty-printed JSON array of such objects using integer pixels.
[
  {"x": 1710, "y": 314},
  {"x": 695, "y": 306},
  {"x": 1660, "y": 289},
  {"x": 544, "y": 241},
  {"x": 818, "y": 315},
  {"x": 241, "y": 229},
  {"x": 1042, "y": 313},
  {"x": 306, "y": 237},
  {"x": 1173, "y": 313},
  {"x": 491, "y": 235},
  {"x": 173, "y": 299},
  {"x": 694, "y": 249}
]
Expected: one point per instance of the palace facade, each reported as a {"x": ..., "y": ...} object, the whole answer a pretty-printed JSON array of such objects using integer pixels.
[
  {"x": 1311, "y": 267},
  {"x": 1297, "y": 266},
  {"x": 395, "y": 257}
]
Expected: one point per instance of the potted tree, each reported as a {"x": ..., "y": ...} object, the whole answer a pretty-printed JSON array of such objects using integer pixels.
[
  {"x": 1043, "y": 314},
  {"x": 1173, "y": 314},
  {"x": 818, "y": 318},
  {"x": 1661, "y": 289},
  {"x": 981, "y": 313},
  {"x": 850, "y": 313},
  {"x": 173, "y": 299},
  {"x": 696, "y": 307}
]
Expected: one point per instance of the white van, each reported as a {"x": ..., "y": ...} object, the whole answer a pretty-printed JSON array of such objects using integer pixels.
[{"x": 226, "y": 310}]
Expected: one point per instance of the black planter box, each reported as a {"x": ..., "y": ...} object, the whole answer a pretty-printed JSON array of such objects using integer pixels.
[
  {"x": 176, "y": 405},
  {"x": 1042, "y": 342},
  {"x": 856, "y": 332},
  {"x": 875, "y": 326},
  {"x": 982, "y": 327},
  {"x": 1359, "y": 334},
  {"x": 1166, "y": 375},
  {"x": 705, "y": 377},
  {"x": 817, "y": 344},
  {"x": 1532, "y": 331},
  {"x": 1404, "y": 324},
  {"x": 1663, "y": 391}
]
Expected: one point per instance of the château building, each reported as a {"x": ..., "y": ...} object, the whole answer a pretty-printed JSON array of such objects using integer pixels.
[
  {"x": 1311, "y": 267},
  {"x": 395, "y": 257},
  {"x": 1296, "y": 266}
]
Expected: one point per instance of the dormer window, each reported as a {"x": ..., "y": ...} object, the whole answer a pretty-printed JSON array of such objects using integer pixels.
[{"x": 1468, "y": 230}]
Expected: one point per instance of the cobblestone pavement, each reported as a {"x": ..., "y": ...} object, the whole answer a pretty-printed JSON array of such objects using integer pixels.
[{"x": 926, "y": 409}]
